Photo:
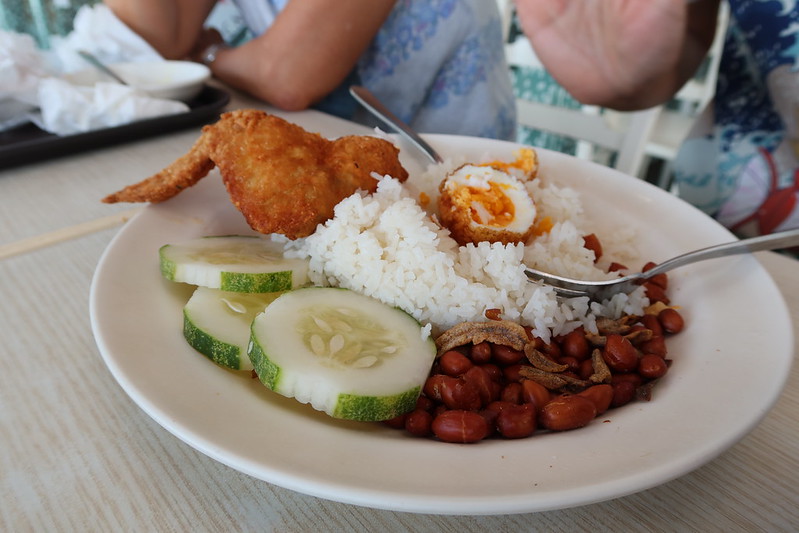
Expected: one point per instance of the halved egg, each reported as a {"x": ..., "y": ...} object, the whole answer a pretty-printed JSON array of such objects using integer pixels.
[{"x": 482, "y": 203}]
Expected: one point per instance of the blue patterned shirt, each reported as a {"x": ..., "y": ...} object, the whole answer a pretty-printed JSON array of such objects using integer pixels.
[
  {"x": 437, "y": 64},
  {"x": 741, "y": 162}
]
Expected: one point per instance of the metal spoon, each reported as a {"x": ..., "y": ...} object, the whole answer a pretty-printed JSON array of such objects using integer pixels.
[
  {"x": 368, "y": 100},
  {"x": 602, "y": 290},
  {"x": 99, "y": 65}
]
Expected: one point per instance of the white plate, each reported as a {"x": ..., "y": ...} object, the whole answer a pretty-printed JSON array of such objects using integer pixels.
[
  {"x": 173, "y": 80},
  {"x": 729, "y": 367}
]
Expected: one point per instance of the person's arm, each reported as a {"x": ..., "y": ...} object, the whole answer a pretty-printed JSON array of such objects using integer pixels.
[
  {"x": 623, "y": 54},
  {"x": 307, "y": 52},
  {"x": 172, "y": 27}
]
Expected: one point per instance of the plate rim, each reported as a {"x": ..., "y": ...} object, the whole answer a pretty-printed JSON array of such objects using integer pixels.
[{"x": 478, "y": 505}]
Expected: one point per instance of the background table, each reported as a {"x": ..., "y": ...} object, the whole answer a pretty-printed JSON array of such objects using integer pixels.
[{"x": 78, "y": 455}]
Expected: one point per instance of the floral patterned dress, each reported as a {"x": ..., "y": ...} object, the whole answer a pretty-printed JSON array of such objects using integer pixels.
[
  {"x": 437, "y": 64},
  {"x": 741, "y": 162}
]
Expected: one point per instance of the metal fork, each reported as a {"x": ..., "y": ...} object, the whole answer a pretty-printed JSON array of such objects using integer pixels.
[
  {"x": 605, "y": 289},
  {"x": 99, "y": 65},
  {"x": 370, "y": 102}
]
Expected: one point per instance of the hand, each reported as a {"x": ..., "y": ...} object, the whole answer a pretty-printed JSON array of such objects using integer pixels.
[{"x": 625, "y": 54}]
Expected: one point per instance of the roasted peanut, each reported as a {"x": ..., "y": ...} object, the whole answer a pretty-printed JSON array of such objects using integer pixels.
[
  {"x": 480, "y": 353},
  {"x": 575, "y": 345},
  {"x": 635, "y": 379},
  {"x": 600, "y": 395},
  {"x": 586, "y": 369},
  {"x": 652, "y": 366},
  {"x": 454, "y": 363},
  {"x": 619, "y": 354},
  {"x": 615, "y": 267},
  {"x": 460, "y": 426},
  {"x": 498, "y": 406},
  {"x": 534, "y": 393},
  {"x": 424, "y": 403},
  {"x": 571, "y": 362},
  {"x": 493, "y": 371},
  {"x": 623, "y": 393},
  {"x": 511, "y": 373},
  {"x": 491, "y": 412},
  {"x": 505, "y": 355},
  {"x": 398, "y": 422},
  {"x": 652, "y": 323},
  {"x": 592, "y": 243},
  {"x": 655, "y": 292},
  {"x": 435, "y": 385},
  {"x": 484, "y": 389},
  {"x": 482, "y": 383},
  {"x": 512, "y": 393},
  {"x": 671, "y": 320},
  {"x": 552, "y": 350},
  {"x": 418, "y": 422},
  {"x": 493, "y": 314},
  {"x": 462, "y": 395},
  {"x": 661, "y": 280},
  {"x": 567, "y": 412},
  {"x": 655, "y": 345},
  {"x": 516, "y": 421}
]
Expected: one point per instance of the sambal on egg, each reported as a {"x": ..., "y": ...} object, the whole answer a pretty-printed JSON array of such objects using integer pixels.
[{"x": 481, "y": 203}]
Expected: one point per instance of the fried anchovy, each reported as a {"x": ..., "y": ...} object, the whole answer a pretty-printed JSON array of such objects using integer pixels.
[
  {"x": 541, "y": 361},
  {"x": 501, "y": 332}
]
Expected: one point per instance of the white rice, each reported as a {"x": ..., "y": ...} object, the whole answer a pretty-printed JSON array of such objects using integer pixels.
[{"x": 385, "y": 245}]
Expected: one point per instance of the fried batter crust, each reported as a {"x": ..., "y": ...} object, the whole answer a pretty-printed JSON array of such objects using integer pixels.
[
  {"x": 182, "y": 174},
  {"x": 282, "y": 178}
]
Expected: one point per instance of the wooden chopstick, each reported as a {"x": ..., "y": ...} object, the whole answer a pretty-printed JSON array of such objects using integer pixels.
[{"x": 65, "y": 234}]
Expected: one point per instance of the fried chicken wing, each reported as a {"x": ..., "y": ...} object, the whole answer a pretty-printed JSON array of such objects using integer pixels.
[
  {"x": 282, "y": 178},
  {"x": 183, "y": 173}
]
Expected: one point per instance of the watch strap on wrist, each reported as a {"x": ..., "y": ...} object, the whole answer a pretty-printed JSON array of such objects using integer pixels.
[{"x": 208, "y": 55}]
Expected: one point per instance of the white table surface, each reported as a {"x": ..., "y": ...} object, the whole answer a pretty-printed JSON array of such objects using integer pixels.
[{"x": 78, "y": 455}]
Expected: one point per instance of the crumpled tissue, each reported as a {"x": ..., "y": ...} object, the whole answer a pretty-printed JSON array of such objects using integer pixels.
[
  {"x": 21, "y": 68},
  {"x": 31, "y": 78},
  {"x": 22, "y": 65},
  {"x": 72, "y": 109}
]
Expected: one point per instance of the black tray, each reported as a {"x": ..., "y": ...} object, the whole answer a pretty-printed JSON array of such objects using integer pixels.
[{"x": 29, "y": 144}]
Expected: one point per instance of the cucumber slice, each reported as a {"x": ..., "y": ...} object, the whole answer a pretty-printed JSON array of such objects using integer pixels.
[
  {"x": 217, "y": 324},
  {"x": 344, "y": 353},
  {"x": 233, "y": 263}
]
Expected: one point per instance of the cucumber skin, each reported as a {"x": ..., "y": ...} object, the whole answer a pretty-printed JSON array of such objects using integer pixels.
[
  {"x": 267, "y": 372},
  {"x": 221, "y": 353},
  {"x": 352, "y": 407},
  {"x": 235, "y": 281},
  {"x": 166, "y": 266},
  {"x": 348, "y": 406},
  {"x": 268, "y": 282}
]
